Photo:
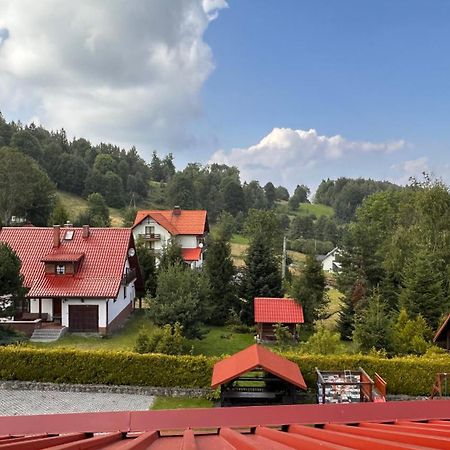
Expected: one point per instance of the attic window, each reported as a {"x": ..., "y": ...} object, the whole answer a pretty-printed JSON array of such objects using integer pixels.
[
  {"x": 69, "y": 235},
  {"x": 60, "y": 269}
]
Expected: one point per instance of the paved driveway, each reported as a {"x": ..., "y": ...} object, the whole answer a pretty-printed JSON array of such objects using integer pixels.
[{"x": 25, "y": 402}]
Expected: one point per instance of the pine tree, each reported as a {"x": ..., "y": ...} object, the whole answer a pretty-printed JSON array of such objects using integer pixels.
[
  {"x": 261, "y": 276},
  {"x": 219, "y": 270},
  {"x": 10, "y": 280},
  {"x": 171, "y": 256},
  {"x": 373, "y": 326},
  {"x": 147, "y": 264},
  {"x": 424, "y": 291},
  {"x": 309, "y": 290}
]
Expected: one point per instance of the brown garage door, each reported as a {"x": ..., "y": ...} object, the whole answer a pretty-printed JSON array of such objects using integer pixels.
[{"x": 83, "y": 318}]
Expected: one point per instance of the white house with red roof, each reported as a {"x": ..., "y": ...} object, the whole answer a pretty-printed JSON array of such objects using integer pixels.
[
  {"x": 80, "y": 278},
  {"x": 270, "y": 310},
  {"x": 188, "y": 227}
]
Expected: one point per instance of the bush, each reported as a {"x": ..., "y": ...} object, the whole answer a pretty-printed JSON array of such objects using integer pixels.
[
  {"x": 168, "y": 340},
  {"x": 323, "y": 342}
]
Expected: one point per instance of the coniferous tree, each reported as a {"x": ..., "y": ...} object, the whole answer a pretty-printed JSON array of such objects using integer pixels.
[
  {"x": 373, "y": 326},
  {"x": 10, "y": 280},
  {"x": 309, "y": 290},
  {"x": 59, "y": 215},
  {"x": 261, "y": 276},
  {"x": 423, "y": 291},
  {"x": 147, "y": 264},
  {"x": 219, "y": 270},
  {"x": 171, "y": 256}
]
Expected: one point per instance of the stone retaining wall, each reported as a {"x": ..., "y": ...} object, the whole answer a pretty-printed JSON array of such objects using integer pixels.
[{"x": 141, "y": 390}]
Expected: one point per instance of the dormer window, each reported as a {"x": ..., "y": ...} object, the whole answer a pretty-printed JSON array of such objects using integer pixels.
[
  {"x": 60, "y": 269},
  {"x": 69, "y": 235}
]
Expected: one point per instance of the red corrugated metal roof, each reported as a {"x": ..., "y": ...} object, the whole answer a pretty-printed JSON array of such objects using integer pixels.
[
  {"x": 437, "y": 336},
  {"x": 191, "y": 254},
  {"x": 186, "y": 222},
  {"x": 368, "y": 426},
  {"x": 99, "y": 275},
  {"x": 251, "y": 358},
  {"x": 277, "y": 310}
]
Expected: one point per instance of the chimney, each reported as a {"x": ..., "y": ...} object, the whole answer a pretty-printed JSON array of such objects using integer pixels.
[
  {"x": 56, "y": 241},
  {"x": 176, "y": 210},
  {"x": 68, "y": 224},
  {"x": 85, "y": 231}
]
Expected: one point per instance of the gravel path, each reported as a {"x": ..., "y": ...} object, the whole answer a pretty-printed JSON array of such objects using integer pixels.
[{"x": 26, "y": 402}]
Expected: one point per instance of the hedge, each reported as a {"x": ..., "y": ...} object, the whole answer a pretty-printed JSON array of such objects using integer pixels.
[
  {"x": 104, "y": 367},
  {"x": 404, "y": 375}
]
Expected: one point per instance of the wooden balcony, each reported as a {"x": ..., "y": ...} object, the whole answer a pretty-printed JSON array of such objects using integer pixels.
[
  {"x": 129, "y": 276},
  {"x": 150, "y": 237}
]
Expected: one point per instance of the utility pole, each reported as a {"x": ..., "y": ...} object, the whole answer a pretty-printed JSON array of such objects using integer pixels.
[{"x": 283, "y": 261}]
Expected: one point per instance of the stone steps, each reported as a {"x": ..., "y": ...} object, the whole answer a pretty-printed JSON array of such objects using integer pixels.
[{"x": 48, "y": 334}]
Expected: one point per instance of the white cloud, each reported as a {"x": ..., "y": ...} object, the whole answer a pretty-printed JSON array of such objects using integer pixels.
[
  {"x": 284, "y": 153},
  {"x": 120, "y": 71},
  {"x": 412, "y": 168}
]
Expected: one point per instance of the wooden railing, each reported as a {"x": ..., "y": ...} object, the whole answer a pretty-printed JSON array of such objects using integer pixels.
[
  {"x": 129, "y": 276},
  {"x": 151, "y": 237}
]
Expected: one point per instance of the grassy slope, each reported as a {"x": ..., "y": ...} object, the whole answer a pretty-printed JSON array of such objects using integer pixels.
[{"x": 74, "y": 205}]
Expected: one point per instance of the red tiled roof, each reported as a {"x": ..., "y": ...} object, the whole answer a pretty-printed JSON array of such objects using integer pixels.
[
  {"x": 437, "y": 336},
  {"x": 278, "y": 310},
  {"x": 186, "y": 222},
  {"x": 99, "y": 275},
  {"x": 392, "y": 425},
  {"x": 62, "y": 257},
  {"x": 251, "y": 358},
  {"x": 191, "y": 254}
]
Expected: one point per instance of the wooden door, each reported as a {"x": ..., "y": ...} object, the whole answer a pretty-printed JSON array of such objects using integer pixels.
[
  {"x": 57, "y": 310},
  {"x": 83, "y": 318}
]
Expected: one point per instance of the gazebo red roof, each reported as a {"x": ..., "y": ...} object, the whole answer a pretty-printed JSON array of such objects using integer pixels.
[
  {"x": 256, "y": 356},
  {"x": 182, "y": 221},
  {"x": 445, "y": 325},
  {"x": 392, "y": 425},
  {"x": 277, "y": 310}
]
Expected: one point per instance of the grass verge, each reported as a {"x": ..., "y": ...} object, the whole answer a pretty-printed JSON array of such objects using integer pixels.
[{"x": 180, "y": 402}]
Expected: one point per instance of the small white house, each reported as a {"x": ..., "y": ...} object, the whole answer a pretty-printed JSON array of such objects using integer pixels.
[
  {"x": 329, "y": 263},
  {"x": 187, "y": 227},
  {"x": 80, "y": 278}
]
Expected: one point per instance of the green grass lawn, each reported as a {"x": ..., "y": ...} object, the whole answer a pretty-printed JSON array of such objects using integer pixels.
[
  {"x": 239, "y": 239},
  {"x": 221, "y": 341},
  {"x": 180, "y": 402},
  {"x": 122, "y": 340},
  {"x": 315, "y": 208},
  {"x": 75, "y": 205},
  {"x": 333, "y": 308}
]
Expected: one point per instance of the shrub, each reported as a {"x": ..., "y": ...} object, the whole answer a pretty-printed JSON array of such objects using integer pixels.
[
  {"x": 323, "y": 342},
  {"x": 282, "y": 335},
  {"x": 168, "y": 340}
]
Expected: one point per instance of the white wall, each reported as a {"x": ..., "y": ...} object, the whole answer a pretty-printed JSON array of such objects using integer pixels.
[
  {"x": 74, "y": 301},
  {"x": 165, "y": 235},
  {"x": 327, "y": 263},
  {"x": 187, "y": 241},
  {"x": 47, "y": 306}
]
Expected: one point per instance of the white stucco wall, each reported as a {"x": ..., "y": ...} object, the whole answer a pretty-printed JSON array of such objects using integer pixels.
[
  {"x": 165, "y": 235},
  {"x": 74, "y": 301},
  {"x": 187, "y": 241},
  {"x": 327, "y": 263},
  {"x": 47, "y": 306}
]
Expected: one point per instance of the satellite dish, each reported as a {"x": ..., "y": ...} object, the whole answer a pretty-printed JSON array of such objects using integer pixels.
[{"x": 131, "y": 252}]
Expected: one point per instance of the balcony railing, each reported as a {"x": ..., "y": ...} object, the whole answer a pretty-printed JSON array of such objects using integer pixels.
[
  {"x": 151, "y": 237},
  {"x": 129, "y": 276}
]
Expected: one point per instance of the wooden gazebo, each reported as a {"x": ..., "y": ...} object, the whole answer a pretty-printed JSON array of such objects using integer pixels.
[
  {"x": 270, "y": 310},
  {"x": 442, "y": 336},
  {"x": 257, "y": 376}
]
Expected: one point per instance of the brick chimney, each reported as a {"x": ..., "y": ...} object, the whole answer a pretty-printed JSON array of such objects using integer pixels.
[
  {"x": 86, "y": 231},
  {"x": 56, "y": 239},
  {"x": 176, "y": 211}
]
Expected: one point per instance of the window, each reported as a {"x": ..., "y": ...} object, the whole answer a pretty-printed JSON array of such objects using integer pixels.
[
  {"x": 69, "y": 235},
  {"x": 149, "y": 231},
  {"x": 60, "y": 269}
]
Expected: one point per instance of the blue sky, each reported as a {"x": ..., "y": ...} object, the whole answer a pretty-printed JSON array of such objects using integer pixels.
[{"x": 370, "y": 78}]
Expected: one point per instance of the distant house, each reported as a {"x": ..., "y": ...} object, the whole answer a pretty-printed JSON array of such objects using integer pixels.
[
  {"x": 442, "y": 336},
  {"x": 329, "y": 263},
  {"x": 188, "y": 229},
  {"x": 270, "y": 311},
  {"x": 80, "y": 278}
]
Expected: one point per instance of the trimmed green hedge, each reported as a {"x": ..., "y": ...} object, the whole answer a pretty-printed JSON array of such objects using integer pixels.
[
  {"x": 405, "y": 375},
  {"x": 104, "y": 367}
]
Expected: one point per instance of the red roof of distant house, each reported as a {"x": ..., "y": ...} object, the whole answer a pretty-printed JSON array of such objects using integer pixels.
[
  {"x": 99, "y": 275},
  {"x": 191, "y": 254},
  {"x": 252, "y": 357},
  {"x": 278, "y": 310},
  {"x": 177, "y": 222},
  {"x": 437, "y": 336}
]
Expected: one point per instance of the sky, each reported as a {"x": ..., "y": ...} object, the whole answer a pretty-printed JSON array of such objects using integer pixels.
[{"x": 289, "y": 91}]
